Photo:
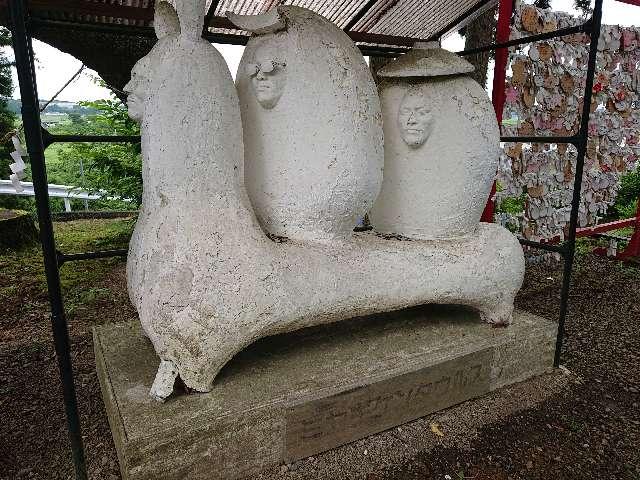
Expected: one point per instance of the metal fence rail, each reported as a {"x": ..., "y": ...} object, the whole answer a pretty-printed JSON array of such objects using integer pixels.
[{"x": 66, "y": 192}]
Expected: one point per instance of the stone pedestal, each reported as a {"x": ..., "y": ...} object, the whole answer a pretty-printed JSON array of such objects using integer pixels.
[{"x": 295, "y": 395}]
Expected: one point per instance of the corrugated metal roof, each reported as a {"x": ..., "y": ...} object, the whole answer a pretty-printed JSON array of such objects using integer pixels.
[{"x": 388, "y": 22}]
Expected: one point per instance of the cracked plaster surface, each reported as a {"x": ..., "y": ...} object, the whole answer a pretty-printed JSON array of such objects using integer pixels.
[{"x": 204, "y": 276}]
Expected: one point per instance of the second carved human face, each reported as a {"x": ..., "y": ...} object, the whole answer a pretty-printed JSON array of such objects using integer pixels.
[
  {"x": 415, "y": 120},
  {"x": 268, "y": 76}
]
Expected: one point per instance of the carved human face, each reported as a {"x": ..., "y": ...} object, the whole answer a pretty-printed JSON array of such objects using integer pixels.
[
  {"x": 415, "y": 119},
  {"x": 268, "y": 76},
  {"x": 137, "y": 89}
]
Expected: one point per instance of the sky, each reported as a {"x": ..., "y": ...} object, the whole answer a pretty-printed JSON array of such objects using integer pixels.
[{"x": 54, "y": 68}]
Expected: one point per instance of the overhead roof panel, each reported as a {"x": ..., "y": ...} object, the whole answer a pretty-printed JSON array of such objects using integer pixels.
[
  {"x": 339, "y": 12},
  {"x": 417, "y": 18},
  {"x": 402, "y": 21}
]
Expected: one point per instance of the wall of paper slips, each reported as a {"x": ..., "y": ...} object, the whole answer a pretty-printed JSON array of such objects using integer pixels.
[{"x": 545, "y": 84}]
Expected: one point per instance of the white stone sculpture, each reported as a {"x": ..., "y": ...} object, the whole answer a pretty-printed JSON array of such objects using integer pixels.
[
  {"x": 205, "y": 278},
  {"x": 313, "y": 153},
  {"x": 441, "y": 143}
]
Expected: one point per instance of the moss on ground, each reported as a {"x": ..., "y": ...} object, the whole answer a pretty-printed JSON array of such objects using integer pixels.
[
  {"x": 599, "y": 407},
  {"x": 23, "y": 271}
]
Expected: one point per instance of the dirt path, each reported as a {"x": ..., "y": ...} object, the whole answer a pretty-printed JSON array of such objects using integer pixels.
[
  {"x": 592, "y": 429},
  {"x": 585, "y": 426}
]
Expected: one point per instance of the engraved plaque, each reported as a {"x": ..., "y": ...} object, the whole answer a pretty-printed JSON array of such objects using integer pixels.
[{"x": 325, "y": 423}]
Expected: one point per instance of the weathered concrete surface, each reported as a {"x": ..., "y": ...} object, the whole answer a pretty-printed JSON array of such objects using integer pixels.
[
  {"x": 204, "y": 277},
  {"x": 312, "y": 127},
  {"x": 294, "y": 395},
  {"x": 441, "y": 146}
]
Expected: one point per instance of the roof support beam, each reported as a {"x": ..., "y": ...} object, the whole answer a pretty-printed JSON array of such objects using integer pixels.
[
  {"x": 373, "y": 19},
  {"x": 210, "y": 13},
  {"x": 82, "y": 7},
  {"x": 223, "y": 22},
  {"x": 389, "y": 49},
  {"x": 465, "y": 18}
]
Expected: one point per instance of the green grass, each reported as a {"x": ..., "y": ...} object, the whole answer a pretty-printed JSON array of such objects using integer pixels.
[
  {"x": 52, "y": 152},
  {"x": 60, "y": 170},
  {"x": 573, "y": 424},
  {"x": 585, "y": 245},
  {"x": 48, "y": 118},
  {"x": 22, "y": 272},
  {"x": 510, "y": 122},
  {"x": 84, "y": 235}
]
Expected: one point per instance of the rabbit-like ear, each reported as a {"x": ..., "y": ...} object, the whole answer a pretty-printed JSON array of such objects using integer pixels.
[
  {"x": 191, "y": 14},
  {"x": 165, "y": 20}
]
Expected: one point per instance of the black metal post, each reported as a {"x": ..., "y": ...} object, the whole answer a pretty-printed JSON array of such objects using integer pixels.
[
  {"x": 585, "y": 27},
  {"x": 550, "y": 247},
  {"x": 31, "y": 120},
  {"x": 533, "y": 139},
  {"x": 72, "y": 257},
  {"x": 210, "y": 14},
  {"x": 596, "y": 21},
  {"x": 48, "y": 138}
]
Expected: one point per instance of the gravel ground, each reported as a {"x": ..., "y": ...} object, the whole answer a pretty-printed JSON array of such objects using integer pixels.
[{"x": 582, "y": 422}]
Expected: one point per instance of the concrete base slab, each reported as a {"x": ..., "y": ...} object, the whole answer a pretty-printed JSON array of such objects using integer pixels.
[{"x": 295, "y": 395}]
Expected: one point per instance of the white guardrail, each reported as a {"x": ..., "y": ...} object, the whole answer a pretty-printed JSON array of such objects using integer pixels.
[{"x": 66, "y": 192}]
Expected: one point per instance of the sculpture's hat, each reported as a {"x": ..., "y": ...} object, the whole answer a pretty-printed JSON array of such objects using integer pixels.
[
  {"x": 426, "y": 60},
  {"x": 268, "y": 22}
]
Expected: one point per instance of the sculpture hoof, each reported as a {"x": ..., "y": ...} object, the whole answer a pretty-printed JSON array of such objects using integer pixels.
[{"x": 162, "y": 386}]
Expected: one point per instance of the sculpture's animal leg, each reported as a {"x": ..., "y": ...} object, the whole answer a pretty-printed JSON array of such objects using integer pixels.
[
  {"x": 310, "y": 284},
  {"x": 165, "y": 379},
  {"x": 498, "y": 313}
]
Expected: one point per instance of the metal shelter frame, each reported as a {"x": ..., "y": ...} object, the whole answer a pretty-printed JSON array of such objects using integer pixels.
[
  {"x": 38, "y": 139},
  {"x": 632, "y": 251}
]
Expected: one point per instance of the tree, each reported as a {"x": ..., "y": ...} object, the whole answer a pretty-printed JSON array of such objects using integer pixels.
[
  {"x": 480, "y": 32},
  {"x": 76, "y": 118},
  {"x": 112, "y": 167},
  {"x": 626, "y": 200},
  {"x": 542, "y": 4},
  {"x": 584, "y": 5}
]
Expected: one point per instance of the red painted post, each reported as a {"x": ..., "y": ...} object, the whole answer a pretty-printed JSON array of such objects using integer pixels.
[
  {"x": 605, "y": 227},
  {"x": 633, "y": 249},
  {"x": 631, "y": 2},
  {"x": 503, "y": 32}
]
